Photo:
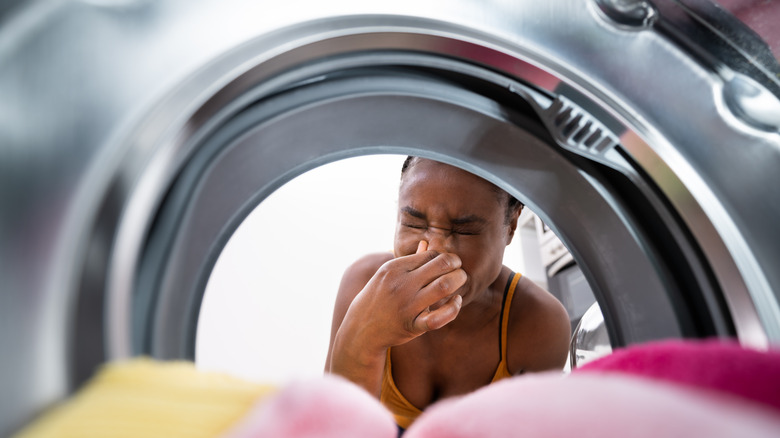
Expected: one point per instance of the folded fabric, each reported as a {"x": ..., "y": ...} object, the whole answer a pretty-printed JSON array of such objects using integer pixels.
[
  {"x": 717, "y": 365},
  {"x": 593, "y": 405},
  {"x": 712, "y": 388},
  {"x": 145, "y": 398},
  {"x": 672, "y": 388},
  {"x": 327, "y": 407}
]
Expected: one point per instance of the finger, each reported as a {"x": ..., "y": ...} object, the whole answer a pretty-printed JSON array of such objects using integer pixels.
[
  {"x": 439, "y": 289},
  {"x": 422, "y": 268},
  {"x": 440, "y": 262},
  {"x": 435, "y": 267},
  {"x": 429, "y": 319},
  {"x": 440, "y": 303},
  {"x": 404, "y": 274}
]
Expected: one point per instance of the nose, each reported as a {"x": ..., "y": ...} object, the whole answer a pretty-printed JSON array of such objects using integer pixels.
[{"x": 439, "y": 239}]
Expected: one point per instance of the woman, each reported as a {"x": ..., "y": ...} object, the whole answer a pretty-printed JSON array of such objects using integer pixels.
[{"x": 443, "y": 316}]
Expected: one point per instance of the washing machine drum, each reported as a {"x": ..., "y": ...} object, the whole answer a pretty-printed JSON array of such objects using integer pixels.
[{"x": 135, "y": 137}]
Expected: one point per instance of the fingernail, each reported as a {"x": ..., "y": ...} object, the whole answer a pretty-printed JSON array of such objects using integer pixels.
[{"x": 422, "y": 246}]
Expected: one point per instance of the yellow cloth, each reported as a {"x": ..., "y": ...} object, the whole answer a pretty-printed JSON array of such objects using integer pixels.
[
  {"x": 145, "y": 398},
  {"x": 403, "y": 410}
]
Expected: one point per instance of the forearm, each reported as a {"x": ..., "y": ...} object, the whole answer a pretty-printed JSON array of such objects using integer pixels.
[{"x": 361, "y": 365}]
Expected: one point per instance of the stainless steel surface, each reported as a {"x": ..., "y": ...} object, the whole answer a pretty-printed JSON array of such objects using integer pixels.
[
  {"x": 369, "y": 112},
  {"x": 590, "y": 340},
  {"x": 632, "y": 13},
  {"x": 752, "y": 103},
  {"x": 103, "y": 102}
]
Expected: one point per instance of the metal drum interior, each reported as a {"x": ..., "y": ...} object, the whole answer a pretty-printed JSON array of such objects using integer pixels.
[{"x": 659, "y": 180}]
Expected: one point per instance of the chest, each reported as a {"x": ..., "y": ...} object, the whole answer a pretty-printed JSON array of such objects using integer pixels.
[{"x": 431, "y": 368}]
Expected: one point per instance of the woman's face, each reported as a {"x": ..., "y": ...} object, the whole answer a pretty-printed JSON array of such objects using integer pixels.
[{"x": 457, "y": 212}]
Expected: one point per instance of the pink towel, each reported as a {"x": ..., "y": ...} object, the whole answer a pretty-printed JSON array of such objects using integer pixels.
[
  {"x": 329, "y": 407},
  {"x": 597, "y": 405},
  {"x": 667, "y": 389},
  {"x": 716, "y": 365}
]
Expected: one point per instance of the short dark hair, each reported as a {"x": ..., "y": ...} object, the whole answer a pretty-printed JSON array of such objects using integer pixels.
[{"x": 512, "y": 203}]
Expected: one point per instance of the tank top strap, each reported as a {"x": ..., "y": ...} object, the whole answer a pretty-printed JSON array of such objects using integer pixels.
[{"x": 509, "y": 293}]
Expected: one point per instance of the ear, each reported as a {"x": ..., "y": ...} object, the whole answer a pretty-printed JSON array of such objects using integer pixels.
[{"x": 512, "y": 226}]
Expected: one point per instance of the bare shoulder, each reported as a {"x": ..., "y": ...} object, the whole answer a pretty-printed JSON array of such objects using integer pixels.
[
  {"x": 359, "y": 272},
  {"x": 539, "y": 330}
]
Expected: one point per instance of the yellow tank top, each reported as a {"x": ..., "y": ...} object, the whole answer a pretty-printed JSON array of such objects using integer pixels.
[{"x": 405, "y": 412}]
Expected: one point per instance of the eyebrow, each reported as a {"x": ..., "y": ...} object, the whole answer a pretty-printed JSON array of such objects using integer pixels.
[
  {"x": 468, "y": 219},
  {"x": 472, "y": 218},
  {"x": 413, "y": 212}
]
